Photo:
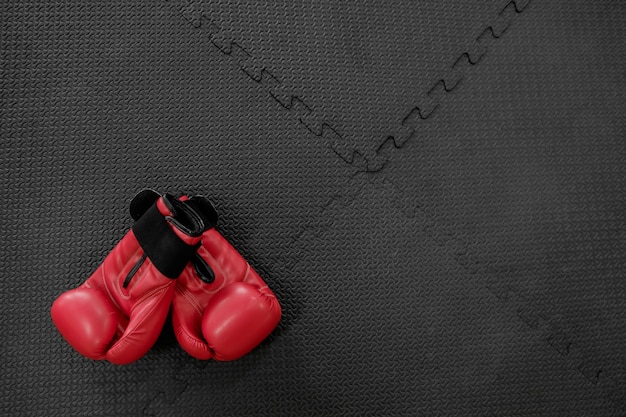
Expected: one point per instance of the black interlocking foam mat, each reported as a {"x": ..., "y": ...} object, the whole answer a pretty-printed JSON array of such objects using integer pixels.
[{"x": 434, "y": 190}]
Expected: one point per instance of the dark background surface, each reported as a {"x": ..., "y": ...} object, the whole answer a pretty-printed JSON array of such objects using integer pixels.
[{"x": 462, "y": 261}]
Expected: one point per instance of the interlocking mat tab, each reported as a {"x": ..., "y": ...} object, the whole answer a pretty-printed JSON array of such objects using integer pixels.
[{"x": 434, "y": 190}]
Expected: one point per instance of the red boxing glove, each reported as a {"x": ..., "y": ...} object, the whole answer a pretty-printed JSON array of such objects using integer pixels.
[
  {"x": 222, "y": 309},
  {"x": 118, "y": 313}
]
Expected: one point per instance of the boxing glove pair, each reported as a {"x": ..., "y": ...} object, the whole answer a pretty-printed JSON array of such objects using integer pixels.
[{"x": 172, "y": 256}]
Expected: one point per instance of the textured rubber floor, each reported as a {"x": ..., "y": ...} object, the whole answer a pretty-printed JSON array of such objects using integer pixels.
[{"x": 434, "y": 190}]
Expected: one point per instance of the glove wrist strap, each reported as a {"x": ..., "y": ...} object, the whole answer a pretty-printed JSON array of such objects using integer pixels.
[{"x": 167, "y": 252}]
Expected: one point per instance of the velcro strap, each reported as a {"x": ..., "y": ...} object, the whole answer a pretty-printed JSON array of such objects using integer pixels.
[
  {"x": 142, "y": 202},
  {"x": 205, "y": 209},
  {"x": 167, "y": 252}
]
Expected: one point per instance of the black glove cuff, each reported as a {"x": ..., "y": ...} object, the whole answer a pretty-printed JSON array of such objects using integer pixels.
[{"x": 167, "y": 252}]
